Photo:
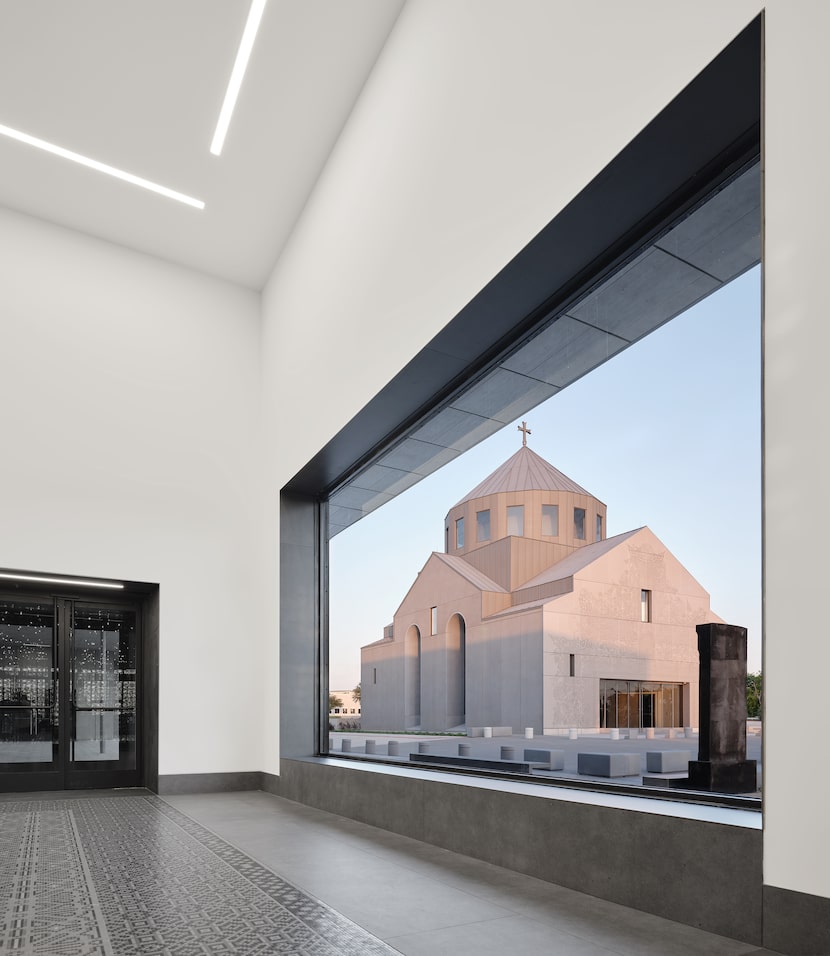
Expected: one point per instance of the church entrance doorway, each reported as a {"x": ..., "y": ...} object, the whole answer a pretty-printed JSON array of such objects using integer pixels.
[
  {"x": 633, "y": 705},
  {"x": 69, "y": 693}
]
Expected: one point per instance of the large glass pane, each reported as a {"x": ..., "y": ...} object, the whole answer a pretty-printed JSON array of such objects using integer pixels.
[
  {"x": 669, "y": 717},
  {"x": 28, "y": 714},
  {"x": 650, "y": 704},
  {"x": 104, "y": 686}
]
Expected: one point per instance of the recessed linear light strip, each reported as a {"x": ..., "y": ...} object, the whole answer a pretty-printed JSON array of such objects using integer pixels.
[
  {"x": 243, "y": 54},
  {"x": 99, "y": 167},
  {"x": 72, "y": 581}
]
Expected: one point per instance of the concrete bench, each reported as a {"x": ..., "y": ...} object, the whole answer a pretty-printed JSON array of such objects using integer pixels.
[
  {"x": 609, "y": 765},
  {"x": 477, "y": 763},
  {"x": 667, "y": 761},
  {"x": 554, "y": 759},
  {"x": 665, "y": 780}
]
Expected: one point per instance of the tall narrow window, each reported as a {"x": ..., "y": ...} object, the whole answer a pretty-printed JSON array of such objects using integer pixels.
[
  {"x": 483, "y": 525},
  {"x": 599, "y": 528},
  {"x": 447, "y": 539},
  {"x": 645, "y": 606},
  {"x": 573, "y": 665},
  {"x": 459, "y": 533},
  {"x": 433, "y": 620},
  {"x": 550, "y": 520},
  {"x": 516, "y": 520},
  {"x": 579, "y": 524}
]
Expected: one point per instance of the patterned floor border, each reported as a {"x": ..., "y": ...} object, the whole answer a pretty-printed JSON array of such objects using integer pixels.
[{"x": 125, "y": 875}]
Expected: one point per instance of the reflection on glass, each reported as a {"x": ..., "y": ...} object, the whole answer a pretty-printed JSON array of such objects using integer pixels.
[
  {"x": 516, "y": 520},
  {"x": 633, "y": 704},
  {"x": 104, "y": 686},
  {"x": 550, "y": 520},
  {"x": 579, "y": 524},
  {"x": 28, "y": 715}
]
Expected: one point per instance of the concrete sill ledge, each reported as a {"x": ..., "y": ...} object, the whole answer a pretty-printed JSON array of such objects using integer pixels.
[{"x": 664, "y": 804}]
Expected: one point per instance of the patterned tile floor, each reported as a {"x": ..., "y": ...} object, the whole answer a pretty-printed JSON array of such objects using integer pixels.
[
  {"x": 124, "y": 875},
  {"x": 126, "y": 872}
]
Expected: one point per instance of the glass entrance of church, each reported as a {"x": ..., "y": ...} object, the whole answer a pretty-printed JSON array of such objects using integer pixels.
[
  {"x": 634, "y": 704},
  {"x": 68, "y": 694}
]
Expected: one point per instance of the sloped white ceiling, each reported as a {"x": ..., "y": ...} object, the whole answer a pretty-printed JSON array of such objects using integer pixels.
[{"x": 139, "y": 85}]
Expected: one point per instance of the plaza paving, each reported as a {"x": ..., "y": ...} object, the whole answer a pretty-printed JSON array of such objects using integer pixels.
[{"x": 489, "y": 748}]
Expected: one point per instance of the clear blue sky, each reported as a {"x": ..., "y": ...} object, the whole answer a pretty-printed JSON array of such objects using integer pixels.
[{"x": 667, "y": 434}]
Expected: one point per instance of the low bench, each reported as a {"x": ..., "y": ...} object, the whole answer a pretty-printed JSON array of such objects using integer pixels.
[
  {"x": 477, "y": 763},
  {"x": 553, "y": 759},
  {"x": 609, "y": 765},
  {"x": 667, "y": 761}
]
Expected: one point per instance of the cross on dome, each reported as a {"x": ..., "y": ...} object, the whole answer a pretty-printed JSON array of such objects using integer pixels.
[{"x": 525, "y": 432}]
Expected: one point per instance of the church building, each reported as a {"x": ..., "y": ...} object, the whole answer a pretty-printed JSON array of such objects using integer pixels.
[{"x": 532, "y": 617}]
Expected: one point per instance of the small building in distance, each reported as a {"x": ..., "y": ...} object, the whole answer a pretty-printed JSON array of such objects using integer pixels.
[
  {"x": 534, "y": 618},
  {"x": 347, "y": 710}
]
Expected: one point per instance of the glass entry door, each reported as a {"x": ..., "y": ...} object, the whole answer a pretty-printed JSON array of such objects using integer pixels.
[
  {"x": 28, "y": 692},
  {"x": 68, "y": 694},
  {"x": 101, "y": 654}
]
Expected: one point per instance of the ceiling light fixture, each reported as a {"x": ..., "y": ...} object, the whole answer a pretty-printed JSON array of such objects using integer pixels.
[
  {"x": 99, "y": 167},
  {"x": 243, "y": 54},
  {"x": 72, "y": 581}
]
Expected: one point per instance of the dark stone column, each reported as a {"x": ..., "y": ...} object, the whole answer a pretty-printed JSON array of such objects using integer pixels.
[{"x": 722, "y": 765}]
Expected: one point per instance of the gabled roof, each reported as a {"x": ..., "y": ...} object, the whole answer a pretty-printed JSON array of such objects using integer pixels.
[
  {"x": 578, "y": 560},
  {"x": 466, "y": 570},
  {"x": 525, "y": 471},
  {"x": 527, "y": 606}
]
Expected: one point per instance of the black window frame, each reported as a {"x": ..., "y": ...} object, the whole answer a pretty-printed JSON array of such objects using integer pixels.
[{"x": 708, "y": 134}]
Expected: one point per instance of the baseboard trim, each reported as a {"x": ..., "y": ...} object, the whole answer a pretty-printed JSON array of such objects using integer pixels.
[
  {"x": 270, "y": 783},
  {"x": 797, "y": 924},
  {"x": 173, "y": 783}
]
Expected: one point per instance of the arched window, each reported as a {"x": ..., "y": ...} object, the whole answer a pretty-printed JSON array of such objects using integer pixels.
[
  {"x": 456, "y": 671},
  {"x": 412, "y": 676}
]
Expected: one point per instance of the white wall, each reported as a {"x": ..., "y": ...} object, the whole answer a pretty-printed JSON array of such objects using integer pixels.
[
  {"x": 129, "y": 394},
  {"x": 797, "y": 467},
  {"x": 477, "y": 126},
  {"x": 481, "y": 120},
  {"x": 479, "y": 123}
]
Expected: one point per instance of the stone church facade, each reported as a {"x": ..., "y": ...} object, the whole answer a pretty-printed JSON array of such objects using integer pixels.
[{"x": 532, "y": 617}]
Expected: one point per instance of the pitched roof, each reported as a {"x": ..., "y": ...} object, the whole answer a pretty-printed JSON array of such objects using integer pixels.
[
  {"x": 527, "y": 606},
  {"x": 577, "y": 560},
  {"x": 473, "y": 575},
  {"x": 524, "y": 471}
]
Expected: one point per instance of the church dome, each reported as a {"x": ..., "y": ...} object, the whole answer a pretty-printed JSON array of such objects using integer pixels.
[
  {"x": 525, "y": 499},
  {"x": 524, "y": 471}
]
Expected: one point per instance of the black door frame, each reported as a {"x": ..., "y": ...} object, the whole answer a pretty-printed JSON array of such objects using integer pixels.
[
  {"x": 75, "y": 778},
  {"x": 61, "y": 775}
]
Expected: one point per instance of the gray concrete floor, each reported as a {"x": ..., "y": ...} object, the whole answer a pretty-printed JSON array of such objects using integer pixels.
[{"x": 425, "y": 901}]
